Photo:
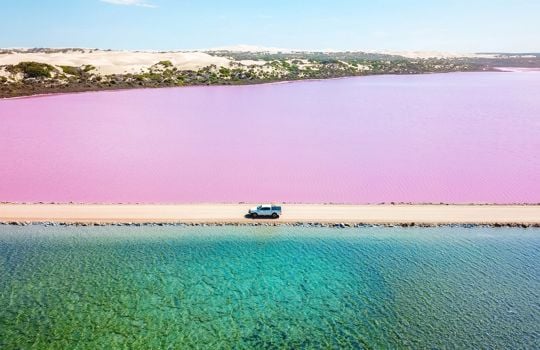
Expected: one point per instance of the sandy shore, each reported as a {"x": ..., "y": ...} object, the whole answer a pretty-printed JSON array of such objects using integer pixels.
[{"x": 292, "y": 213}]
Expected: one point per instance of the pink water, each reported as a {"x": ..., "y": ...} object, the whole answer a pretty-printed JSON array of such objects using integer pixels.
[{"x": 464, "y": 137}]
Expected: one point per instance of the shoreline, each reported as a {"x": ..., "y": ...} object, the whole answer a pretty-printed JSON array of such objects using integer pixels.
[
  {"x": 256, "y": 83},
  {"x": 318, "y": 215}
]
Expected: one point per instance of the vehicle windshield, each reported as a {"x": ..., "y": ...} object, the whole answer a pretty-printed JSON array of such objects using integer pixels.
[{"x": 259, "y": 207}]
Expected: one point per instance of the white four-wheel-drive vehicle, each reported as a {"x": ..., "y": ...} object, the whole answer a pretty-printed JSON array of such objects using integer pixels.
[{"x": 270, "y": 210}]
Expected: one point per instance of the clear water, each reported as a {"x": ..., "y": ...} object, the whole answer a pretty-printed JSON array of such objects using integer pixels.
[
  {"x": 455, "y": 138},
  {"x": 269, "y": 287}
]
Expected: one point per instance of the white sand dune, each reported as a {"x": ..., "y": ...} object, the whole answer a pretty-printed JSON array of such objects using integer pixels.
[{"x": 118, "y": 62}]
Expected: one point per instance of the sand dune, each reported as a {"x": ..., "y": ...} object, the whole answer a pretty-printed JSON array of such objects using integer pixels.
[
  {"x": 122, "y": 61},
  {"x": 118, "y": 62}
]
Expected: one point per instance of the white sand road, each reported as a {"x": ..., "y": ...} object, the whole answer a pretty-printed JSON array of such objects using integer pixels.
[{"x": 292, "y": 213}]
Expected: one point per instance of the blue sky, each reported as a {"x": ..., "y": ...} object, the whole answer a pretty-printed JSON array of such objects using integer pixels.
[{"x": 442, "y": 25}]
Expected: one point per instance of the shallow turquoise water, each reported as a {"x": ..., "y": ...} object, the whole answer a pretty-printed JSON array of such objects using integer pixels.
[{"x": 275, "y": 287}]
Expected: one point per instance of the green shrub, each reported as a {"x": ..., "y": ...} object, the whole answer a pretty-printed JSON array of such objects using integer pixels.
[
  {"x": 329, "y": 61},
  {"x": 225, "y": 72},
  {"x": 33, "y": 69},
  {"x": 165, "y": 63},
  {"x": 71, "y": 70}
]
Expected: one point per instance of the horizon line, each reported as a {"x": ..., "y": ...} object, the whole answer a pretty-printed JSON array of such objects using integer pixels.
[{"x": 254, "y": 48}]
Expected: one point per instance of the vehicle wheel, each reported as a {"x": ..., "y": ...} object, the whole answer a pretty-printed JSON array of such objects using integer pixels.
[
  {"x": 254, "y": 215},
  {"x": 275, "y": 215}
]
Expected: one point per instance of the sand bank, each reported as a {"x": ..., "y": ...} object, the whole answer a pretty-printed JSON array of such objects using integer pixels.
[
  {"x": 518, "y": 69},
  {"x": 292, "y": 213}
]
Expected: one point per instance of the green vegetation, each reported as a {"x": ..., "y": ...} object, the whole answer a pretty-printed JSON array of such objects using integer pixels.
[
  {"x": 71, "y": 70},
  {"x": 225, "y": 72},
  {"x": 32, "y": 69},
  {"x": 87, "y": 68},
  {"x": 166, "y": 64}
]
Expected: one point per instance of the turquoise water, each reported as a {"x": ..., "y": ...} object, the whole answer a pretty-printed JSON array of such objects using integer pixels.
[{"x": 269, "y": 287}]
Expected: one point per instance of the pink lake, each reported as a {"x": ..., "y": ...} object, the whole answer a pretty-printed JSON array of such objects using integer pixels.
[{"x": 455, "y": 138}]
